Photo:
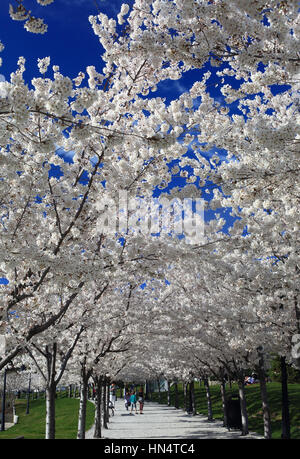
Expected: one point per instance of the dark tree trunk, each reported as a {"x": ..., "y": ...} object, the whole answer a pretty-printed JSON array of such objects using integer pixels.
[
  {"x": 98, "y": 410},
  {"x": 286, "y": 429},
  {"x": 223, "y": 396},
  {"x": 159, "y": 393},
  {"x": 185, "y": 396},
  {"x": 83, "y": 402},
  {"x": 176, "y": 401},
  {"x": 148, "y": 394},
  {"x": 104, "y": 395},
  {"x": 169, "y": 393}
]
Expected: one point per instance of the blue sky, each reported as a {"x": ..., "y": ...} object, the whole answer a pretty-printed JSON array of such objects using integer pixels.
[{"x": 70, "y": 41}]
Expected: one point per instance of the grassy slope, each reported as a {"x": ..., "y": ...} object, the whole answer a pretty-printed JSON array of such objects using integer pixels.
[
  {"x": 32, "y": 426},
  {"x": 253, "y": 405}
]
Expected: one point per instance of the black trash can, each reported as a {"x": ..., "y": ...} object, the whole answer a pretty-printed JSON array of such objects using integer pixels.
[{"x": 233, "y": 411}]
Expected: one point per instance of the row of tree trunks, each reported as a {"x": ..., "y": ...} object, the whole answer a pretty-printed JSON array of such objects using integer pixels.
[
  {"x": 101, "y": 391},
  {"x": 101, "y": 405},
  {"x": 190, "y": 405},
  {"x": 264, "y": 399},
  {"x": 189, "y": 397},
  {"x": 73, "y": 391},
  {"x": 101, "y": 400}
]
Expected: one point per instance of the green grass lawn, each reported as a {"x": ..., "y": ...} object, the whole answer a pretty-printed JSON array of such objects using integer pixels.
[
  {"x": 253, "y": 405},
  {"x": 32, "y": 425}
]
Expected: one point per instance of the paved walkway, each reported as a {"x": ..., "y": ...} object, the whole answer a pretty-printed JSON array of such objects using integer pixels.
[{"x": 163, "y": 422}]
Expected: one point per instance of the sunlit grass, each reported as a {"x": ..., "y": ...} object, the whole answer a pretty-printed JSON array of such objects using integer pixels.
[{"x": 32, "y": 425}]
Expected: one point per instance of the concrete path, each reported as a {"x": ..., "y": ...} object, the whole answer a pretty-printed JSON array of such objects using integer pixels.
[{"x": 163, "y": 422}]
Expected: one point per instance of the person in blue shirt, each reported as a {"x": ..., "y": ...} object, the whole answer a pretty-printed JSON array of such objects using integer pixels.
[{"x": 133, "y": 402}]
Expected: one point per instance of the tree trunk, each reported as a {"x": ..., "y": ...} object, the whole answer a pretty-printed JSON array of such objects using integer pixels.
[
  {"x": 104, "y": 402},
  {"x": 209, "y": 404},
  {"x": 159, "y": 394},
  {"x": 185, "y": 396},
  {"x": 192, "y": 398},
  {"x": 176, "y": 401},
  {"x": 28, "y": 395},
  {"x": 3, "y": 401},
  {"x": 50, "y": 391},
  {"x": 147, "y": 394},
  {"x": 107, "y": 402},
  {"x": 82, "y": 405},
  {"x": 264, "y": 396},
  {"x": 223, "y": 396},
  {"x": 286, "y": 429},
  {"x": 169, "y": 393},
  {"x": 243, "y": 404},
  {"x": 190, "y": 402},
  {"x": 50, "y": 412},
  {"x": 98, "y": 411}
]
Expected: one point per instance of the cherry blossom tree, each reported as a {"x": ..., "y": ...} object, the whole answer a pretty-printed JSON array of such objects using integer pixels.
[
  {"x": 106, "y": 337},
  {"x": 106, "y": 142},
  {"x": 233, "y": 299},
  {"x": 50, "y": 355}
]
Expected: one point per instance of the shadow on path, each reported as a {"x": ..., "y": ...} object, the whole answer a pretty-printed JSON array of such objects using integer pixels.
[{"x": 163, "y": 422}]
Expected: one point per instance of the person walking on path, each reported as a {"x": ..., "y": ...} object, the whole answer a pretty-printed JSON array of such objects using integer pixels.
[
  {"x": 141, "y": 399},
  {"x": 133, "y": 402},
  {"x": 127, "y": 399},
  {"x": 112, "y": 396}
]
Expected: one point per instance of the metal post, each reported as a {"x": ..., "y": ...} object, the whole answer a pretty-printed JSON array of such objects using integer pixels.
[{"x": 3, "y": 402}]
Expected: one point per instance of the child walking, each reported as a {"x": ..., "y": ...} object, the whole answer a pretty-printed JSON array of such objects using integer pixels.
[{"x": 133, "y": 402}]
